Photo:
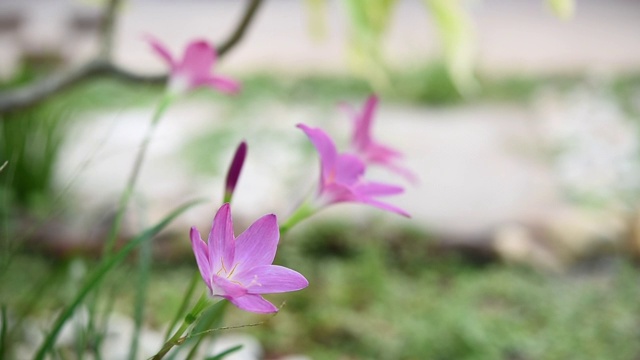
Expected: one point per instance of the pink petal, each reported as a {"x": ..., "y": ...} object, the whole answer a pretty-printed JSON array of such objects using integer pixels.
[
  {"x": 236, "y": 167},
  {"x": 220, "y": 83},
  {"x": 272, "y": 279},
  {"x": 349, "y": 110},
  {"x": 257, "y": 245},
  {"x": 383, "y": 206},
  {"x": 226, "y": 288},
  {"x": 335, "y": 193},
  {"x": 381, "y": 154},
  {"x": 161, "y": 50},
  {"x": 326, "y": 149},
  {"x": 253, "y": 303},
  {"x": 362, "y": 133},
  {"x": 404, "y": 172},
  {"x": 349, "y": 169},
  {"x": 197, "y": 61},
  {"x": 377, "y": 189},
  {"x": 202, "y": 257},
  {"x": 221, "y": 241},
  {"x": 387, "y": 157}
]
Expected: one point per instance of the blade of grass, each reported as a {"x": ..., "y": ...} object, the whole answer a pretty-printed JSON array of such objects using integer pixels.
[
  {"x": 144, "y": 267},
  {"x": 225, "y": 353},
  {"x": 207, "y": 319},
  {"x": 34, "y": 297},
  {"x": 183, "y": 306},
  {"x": 3, "y": 333},
  {"x": 211, "y": 318},
  {"x": 97, "y": 276},
  {"x": 99, "y": 327}
]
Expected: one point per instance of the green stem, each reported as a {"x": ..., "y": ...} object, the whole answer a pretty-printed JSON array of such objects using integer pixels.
[
  {"x": 302, "y": 212},
  {"x": 144, "y": 269},
  {"x": 185, "y": 302},
  {"x": 3, "y": 331},
  {"x": 189, "y": 319},
  {"x": 96, "y": 277},
  {"x": 133, "y": 177}
]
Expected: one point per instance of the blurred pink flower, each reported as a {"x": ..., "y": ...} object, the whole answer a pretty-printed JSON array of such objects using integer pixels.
[
  {"x": 241, "y": 269},
  {"x": 367, "y": 148},
  {"x": 194, "y": 70},
  {"x": 342, "y": 176}
]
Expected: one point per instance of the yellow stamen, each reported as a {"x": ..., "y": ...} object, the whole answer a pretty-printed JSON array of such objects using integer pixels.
[{"x": 232, "y": 270}]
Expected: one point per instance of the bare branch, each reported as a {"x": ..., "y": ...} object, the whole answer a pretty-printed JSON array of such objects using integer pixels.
[
  {"x": 241, "y": 28},
  {"x": 108, "y": 22},
  {"x": 33, "y": 93}
]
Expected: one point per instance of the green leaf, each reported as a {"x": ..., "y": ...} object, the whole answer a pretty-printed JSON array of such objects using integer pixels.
[
  {"x": 317, "y": 10},
  {"x": 210, "y": 319},
  {"x": 188, "y": 295},
  {"x": 564, "y": 9},
  {"x": 98, "y": 275},
  {"x": 369, "y": 20},
  {"x": 144, "y": 269},
  {"x": 4, "y": 328},
  {"x": 458, "y": 39},
  {"x": 225, "y": 353}
]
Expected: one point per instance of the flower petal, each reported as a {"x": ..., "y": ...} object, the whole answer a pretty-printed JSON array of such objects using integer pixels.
[
  {"x": 382, "y": 154},
  {"x": 377, "y": 189},
  {"x": 221, "y": 83},
  {"x": 349, "y": 169},
  {"x": 202, "y": 255},
  {"x": 257, "y": 245},
  {"x": 349, "y": 110},
  {"x": 383, "y": 206},
  {"x": 254, "y": 303},
  {"x": 198, "y": 59},
  {"x": 272, "y": 279},
  {"x": 234, "y": 170},
  {"x": 161, "y": 50},
  {"x": 362, "y": 133},
  {"x": 335, "y": 193},
  {"x": 221, "y": 241},
  {"x": 403, "y": 171},
  {"x": 326, "y": 149},
  {"x": 226, "y": 288}
]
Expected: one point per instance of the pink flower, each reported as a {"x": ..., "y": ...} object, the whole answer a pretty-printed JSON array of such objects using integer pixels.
[
  {"x": 367, "y": 148},
  {"x": 194, "y": 70},
  {"x": 241, "y": 269},
  {"x": 234, "y": 171},
  {"x": 342, "y": 176}
]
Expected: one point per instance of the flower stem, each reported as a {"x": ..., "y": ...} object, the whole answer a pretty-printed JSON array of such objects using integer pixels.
[
  {"x": 302, "y": 212},
  {"x": 183, "y": 305},
  {"x": 133, "y": 177},
  {"x": 189, "y": 319}
]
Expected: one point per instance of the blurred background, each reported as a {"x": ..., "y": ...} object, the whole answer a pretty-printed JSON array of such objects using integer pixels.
[{"x": 520, "y": 119}]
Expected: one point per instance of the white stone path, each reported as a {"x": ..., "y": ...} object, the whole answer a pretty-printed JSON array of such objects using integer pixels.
[{"x": 469, "y": 158}]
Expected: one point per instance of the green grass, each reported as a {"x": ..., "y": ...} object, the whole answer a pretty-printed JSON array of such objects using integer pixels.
[
  {"x": 369, "y": 299},
  {"x": 374, "y": 294}
]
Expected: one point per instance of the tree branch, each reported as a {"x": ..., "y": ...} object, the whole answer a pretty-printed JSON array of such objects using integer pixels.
[
  {"x": 106, "y": 33},
  {"x": 35, "y": 92},
  {"x": 241, "y": 28}
]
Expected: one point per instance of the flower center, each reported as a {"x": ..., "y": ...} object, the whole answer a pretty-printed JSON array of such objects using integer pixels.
[
  {"x": 331, "y": 178},
  {"x": 226, "y": 273}
]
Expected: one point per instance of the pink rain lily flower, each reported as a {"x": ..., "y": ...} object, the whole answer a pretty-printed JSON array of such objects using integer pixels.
[
  {"x": 194, "y": 70},
  {"x": 342, "y": 176},
  {"x": 367, "y": 148},
  {"x": 234, "y": 171},
  {"x": 240, "y": 270}
]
